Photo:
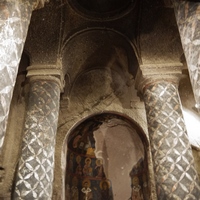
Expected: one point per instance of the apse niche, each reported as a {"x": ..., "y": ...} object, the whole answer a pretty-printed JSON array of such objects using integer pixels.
[{"x": 106, "y": 160}]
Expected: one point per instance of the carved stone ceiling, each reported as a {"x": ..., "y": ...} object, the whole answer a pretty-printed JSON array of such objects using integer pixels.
[{"x": 149, "y": 25}]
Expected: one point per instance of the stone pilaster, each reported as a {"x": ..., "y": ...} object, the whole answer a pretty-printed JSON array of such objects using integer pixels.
[
  {"x": 14, "y": 21},
  {"x": 36, "y": 166},
  {"x": 188, "y": 21},
  {"x": 175, "y": 175}
]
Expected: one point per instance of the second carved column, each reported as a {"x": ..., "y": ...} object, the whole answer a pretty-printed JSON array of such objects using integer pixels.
[
  {"x": 36, "y": 167},
  {"x": 175, "y": 174}
]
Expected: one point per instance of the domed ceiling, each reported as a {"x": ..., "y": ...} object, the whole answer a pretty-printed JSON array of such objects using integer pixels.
[{"x": 102, "y": 8}]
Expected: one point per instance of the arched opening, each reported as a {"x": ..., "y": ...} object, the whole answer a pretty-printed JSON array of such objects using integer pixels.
[{"x": 106, "y": 159}]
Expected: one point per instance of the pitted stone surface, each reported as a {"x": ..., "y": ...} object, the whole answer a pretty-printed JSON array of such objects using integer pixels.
[
  {"x": 176, "y": 176},
  {"x": 36, "y": 166}
]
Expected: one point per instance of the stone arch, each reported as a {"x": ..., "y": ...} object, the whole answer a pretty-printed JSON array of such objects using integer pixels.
[
  {"x": 94, "y": 140},
  {"x": 98, "y": 47}
]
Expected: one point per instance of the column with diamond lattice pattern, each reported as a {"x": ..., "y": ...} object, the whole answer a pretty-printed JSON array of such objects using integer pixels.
[
  {"x": 14, "y": 21},
  {"x": 188, "y": 20},
  {"x": 35, "y": 171},
  {"x": 176, "y": 177}
]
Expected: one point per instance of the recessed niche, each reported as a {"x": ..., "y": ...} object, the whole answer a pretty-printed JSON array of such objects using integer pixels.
[{"x": 106, "y": 160}]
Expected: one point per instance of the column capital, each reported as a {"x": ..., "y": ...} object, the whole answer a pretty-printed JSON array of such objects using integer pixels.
[
  {"x": 47, "y": 72},
  {"x": 151, "y": 73}
]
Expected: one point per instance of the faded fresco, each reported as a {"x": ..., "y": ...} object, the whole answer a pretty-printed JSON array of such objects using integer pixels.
[{"x": 96, "y": 169}]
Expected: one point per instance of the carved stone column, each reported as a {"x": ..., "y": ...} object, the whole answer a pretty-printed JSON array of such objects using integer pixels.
[
  {"x": 14, "y": 21},
  {"x": 36, "y": 166},
  {"x": 175, "y": 175},
  {"x": 188, "y": 20}
]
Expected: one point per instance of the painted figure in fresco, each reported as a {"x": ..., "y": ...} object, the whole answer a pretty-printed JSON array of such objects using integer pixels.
[
  {"x": 99, "y": 168},
  {"x": 71, "y": 163},
  {"x": 84, "y": 139},
  {"x": 76, "y": 141},
  {"x": 86, "y": 190},
  {"x": 87, "y": 169},
  {"x": 139, "y": 185},
  {"x": 87, "y": 142},
  {"x": 90, "y": 151},
  {"x": 74, "y": 189},
  {"x": 105, "y": 190},
  {"x": 79, "y": 168},
  {"x": 67, "y": 192},
  {"x": 145, "y": 187},
  {"x": 136, "y": 190}
]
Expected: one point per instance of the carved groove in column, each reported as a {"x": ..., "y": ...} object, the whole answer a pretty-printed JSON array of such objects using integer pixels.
[
  {"x": 176, "y": 176},
  {"x": 36, "y": 166}
]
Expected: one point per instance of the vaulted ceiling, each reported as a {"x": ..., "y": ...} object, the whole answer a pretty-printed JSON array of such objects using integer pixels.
[{"x": 66, "y": 32}]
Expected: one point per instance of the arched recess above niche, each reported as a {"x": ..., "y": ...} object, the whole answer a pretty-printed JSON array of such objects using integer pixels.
[
  {"x": 107, "y": 158},
  {"x": 98, "y": 47},
  {"x": 100, "y": 88}
]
